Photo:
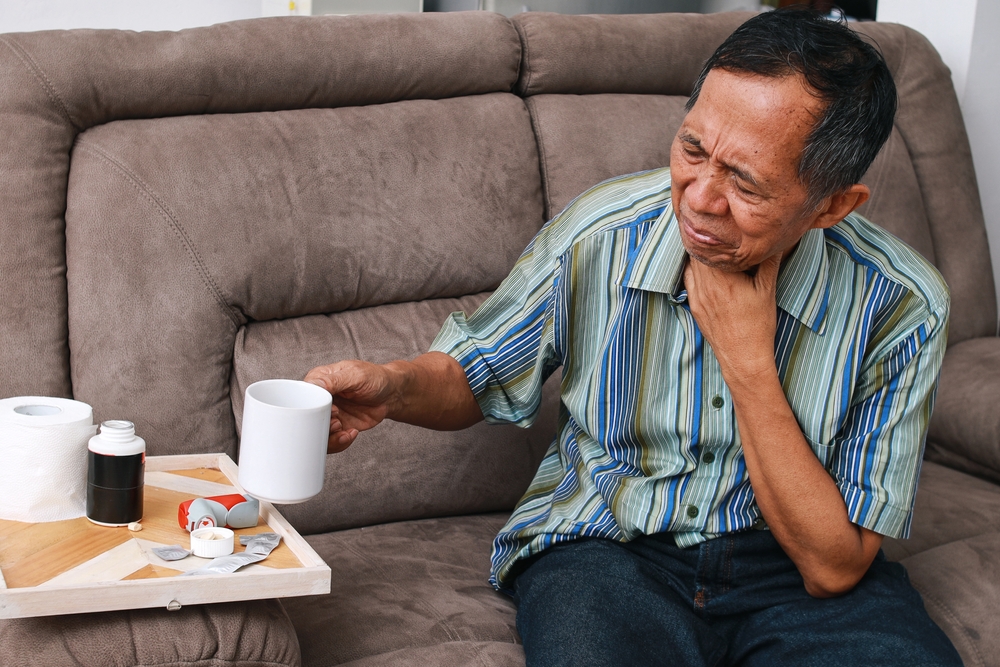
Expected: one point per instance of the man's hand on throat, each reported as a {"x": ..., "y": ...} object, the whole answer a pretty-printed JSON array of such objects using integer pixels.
[{"x": 737, "y": 314}]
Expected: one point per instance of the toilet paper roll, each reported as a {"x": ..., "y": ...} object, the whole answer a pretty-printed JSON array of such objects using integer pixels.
[{"x": 43, "y": 458}]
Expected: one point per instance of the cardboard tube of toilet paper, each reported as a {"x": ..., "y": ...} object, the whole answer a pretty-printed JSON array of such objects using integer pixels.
[{"x": 43, "y": 458}]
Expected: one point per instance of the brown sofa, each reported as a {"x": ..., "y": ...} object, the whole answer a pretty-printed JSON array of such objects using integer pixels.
[{"x": 185, "y": 213}]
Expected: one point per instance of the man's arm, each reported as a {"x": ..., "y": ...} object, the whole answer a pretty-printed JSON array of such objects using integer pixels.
[
  {"x": 431, "y": 391},
  {"x": 801, "y": 503}
]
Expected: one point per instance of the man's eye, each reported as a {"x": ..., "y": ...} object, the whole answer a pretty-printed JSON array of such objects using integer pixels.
[{"x": 744, "y": 189}]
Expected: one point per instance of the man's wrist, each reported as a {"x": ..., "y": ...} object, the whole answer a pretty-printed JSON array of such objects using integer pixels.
[
  {"x": 749, "y": 375},
  {"x": 398, "y": 382}
]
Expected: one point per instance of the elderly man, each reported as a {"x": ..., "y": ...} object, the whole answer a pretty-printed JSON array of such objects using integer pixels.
[{"x": 748, "y": 370}]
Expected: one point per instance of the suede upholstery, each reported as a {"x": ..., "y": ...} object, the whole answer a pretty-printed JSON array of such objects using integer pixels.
[
  {"x": 965, "y": 431},
  {"x": 650, "y": 54},
  {"x": 404, "y": 586},
  {"x": 186, "y": 213},
  {"x": 306, "y": 226},
  {"x": 58, "y": 84},
  {"x": 234, "y": 634}
]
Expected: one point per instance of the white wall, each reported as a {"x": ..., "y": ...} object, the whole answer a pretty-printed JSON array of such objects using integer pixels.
[
  {"x": 25, "y": 15},
  {"x": 713, "y": 6},
  {"x": 967, "y": 35},
  {"x": 980, "y": 105},
  {"x": 949, "y": 26}
]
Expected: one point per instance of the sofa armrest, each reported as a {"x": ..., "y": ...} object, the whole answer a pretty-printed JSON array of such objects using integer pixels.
[
  {"x": 965, "y": 427},
  {"x": 244, "y": 634}
]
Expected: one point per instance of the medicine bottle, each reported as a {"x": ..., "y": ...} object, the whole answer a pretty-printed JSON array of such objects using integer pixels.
[{"x": 116, "y": 460}]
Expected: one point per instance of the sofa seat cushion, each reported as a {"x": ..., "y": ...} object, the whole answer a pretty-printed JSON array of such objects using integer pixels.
[
  {"x": 951, "y": 505},
  {"x": 234, "y": 634},
  {"x": 407, "y": 593},
  {"x": 451, "y": 654},
  {"x": 960, "y": 584}
]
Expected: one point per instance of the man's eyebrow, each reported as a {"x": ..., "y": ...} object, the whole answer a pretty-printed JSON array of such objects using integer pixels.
[
  {"x": 741, "y": 173},
  {"x": 689, "y": 139}
]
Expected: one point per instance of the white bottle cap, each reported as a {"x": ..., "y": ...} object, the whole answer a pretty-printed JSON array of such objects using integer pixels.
[
  {"x": 117, "y": 438},
  {"x": 212, "y": 542}
]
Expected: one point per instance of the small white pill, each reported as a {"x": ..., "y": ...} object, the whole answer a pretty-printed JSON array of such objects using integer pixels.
[{"x": 135, "y": 526}]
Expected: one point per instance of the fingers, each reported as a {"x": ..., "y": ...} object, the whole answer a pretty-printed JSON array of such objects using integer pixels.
[
  {"x": 357, "y": 403},
  {"x": 335, "y": 423},
  {"x": 341, "y": 440}
]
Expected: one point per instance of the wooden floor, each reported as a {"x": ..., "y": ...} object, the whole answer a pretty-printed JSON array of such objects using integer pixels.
[{"x": 80, "y": 552}]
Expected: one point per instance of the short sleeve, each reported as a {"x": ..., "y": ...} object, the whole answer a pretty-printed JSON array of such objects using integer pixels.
[
  {"x": 507, "y": 347},
  {"x": 878, "y": 452}
]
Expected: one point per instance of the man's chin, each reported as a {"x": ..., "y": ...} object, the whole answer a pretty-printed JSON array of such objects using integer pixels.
[{"x": 727, "y": 264}]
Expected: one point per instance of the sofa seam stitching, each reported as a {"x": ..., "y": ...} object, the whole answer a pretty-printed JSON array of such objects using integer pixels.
[
  {"x": 43, "y": 79},
  {"x": 145, "y": 191},
  {"x": 957, "y": 623},
  {"x": 520, "y": 55},
  {"x": 525, "y": 58},
  {"x": 543, "y": 164},
  {"x": 482, "y": 658}
]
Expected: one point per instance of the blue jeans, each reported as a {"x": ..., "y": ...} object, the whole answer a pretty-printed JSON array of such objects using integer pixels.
[{"x": 734, "y": 600}]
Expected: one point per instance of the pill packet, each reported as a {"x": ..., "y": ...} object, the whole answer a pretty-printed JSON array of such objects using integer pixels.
[
  {"x": 261, "y": 541},
  {"x": 258, "y": 547},
  {"x": 173, "y": 552}
]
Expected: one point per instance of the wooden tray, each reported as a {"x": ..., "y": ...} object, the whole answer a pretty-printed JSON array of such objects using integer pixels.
[{"x": 75, "y": 566}]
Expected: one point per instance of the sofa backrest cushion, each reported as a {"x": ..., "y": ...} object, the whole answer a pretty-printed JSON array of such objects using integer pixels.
[
  {"x": 180, "y": 231},
  {"x": 60, "y": 83}
]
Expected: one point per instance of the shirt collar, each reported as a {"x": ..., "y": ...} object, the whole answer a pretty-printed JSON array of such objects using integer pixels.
[{"x": 657, "y": 264}]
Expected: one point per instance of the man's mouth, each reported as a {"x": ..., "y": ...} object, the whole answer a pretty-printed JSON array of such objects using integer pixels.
[{"x": 698, "y": 235}]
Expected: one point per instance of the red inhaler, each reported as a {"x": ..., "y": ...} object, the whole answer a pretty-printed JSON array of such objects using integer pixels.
[{"x": 229, "y": 511}]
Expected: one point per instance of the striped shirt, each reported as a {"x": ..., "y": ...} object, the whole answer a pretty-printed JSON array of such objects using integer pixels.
[{"x": 647, "y": 440}]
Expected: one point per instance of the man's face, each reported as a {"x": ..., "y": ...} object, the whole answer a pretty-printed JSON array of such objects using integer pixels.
[{"x": 734, "y": 166}]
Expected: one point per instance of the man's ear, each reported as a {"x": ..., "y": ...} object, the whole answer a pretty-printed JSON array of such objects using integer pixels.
[{"x": 839, "y": 205}]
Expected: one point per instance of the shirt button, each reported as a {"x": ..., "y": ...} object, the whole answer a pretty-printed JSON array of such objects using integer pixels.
[
  {"x": 708, "y": 457},
  {"x": 692, "y": 511},
  {"x": 717, "y": 402}
]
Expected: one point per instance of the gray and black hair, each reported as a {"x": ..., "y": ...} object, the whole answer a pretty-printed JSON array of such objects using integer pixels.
[{"x": 845, "y": 72}]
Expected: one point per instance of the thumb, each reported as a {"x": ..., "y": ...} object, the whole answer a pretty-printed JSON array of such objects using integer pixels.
[
  {"x": 316, "y": 381},
  {"x": 321, "y": 377},
  {"x": 340, "y": 377}
]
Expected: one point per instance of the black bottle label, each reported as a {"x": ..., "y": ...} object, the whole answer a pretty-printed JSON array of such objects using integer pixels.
[{"x": 115, "y": 487}]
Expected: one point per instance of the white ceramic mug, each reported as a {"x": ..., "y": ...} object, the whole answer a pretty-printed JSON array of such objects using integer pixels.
[{"x": 286, "y": 426}]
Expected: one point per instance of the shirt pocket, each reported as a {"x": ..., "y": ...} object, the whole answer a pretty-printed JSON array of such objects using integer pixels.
[{"x": 823, "y": 451}]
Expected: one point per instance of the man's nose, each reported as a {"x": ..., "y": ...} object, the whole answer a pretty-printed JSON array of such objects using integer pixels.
[{"x": 706, "y": 196}]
